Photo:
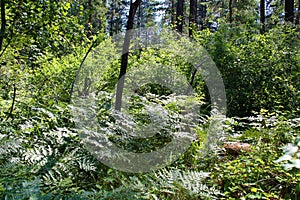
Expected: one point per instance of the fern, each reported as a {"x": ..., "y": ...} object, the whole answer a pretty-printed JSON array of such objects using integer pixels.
[
  {"x": 9, "y": 144},
  {"x": 45, "y": 152},
  {"x": 173, "y": 184}
]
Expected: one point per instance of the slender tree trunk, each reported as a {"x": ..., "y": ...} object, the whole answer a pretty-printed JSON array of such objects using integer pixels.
[
  {"x": 173, "y": 11},
  {"x": 89, "y": 22},
  {"x": 3, "y": 22},
  {"x": 188, "y": 90},
  {"x": 230, "y": 11},
  {"x": 262, "y": 15},
  {"x": 179, "y": 16},
  {"x": 124, "y": 60},
  {"x": 202, "y": 15},
  {"x": 298, "y": 14},
  {"x": 13, "y": 103},
  {"x": 193, "y": 17},
  {"x": 289, "y": 11},
  {"x": 111, "y": 22},
  {"x": 139, "y": 20}
]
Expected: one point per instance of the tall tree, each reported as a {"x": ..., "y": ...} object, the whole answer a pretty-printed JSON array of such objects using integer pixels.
[
  {"x": 124, "y": 60},
  {"x": 230, "y": 11},
  {"x": 173, "y": 11},
  {"x": 115, "y": 11},
  {"x": 179, "y": 16},
  {"x": 168, "y": 12},
  {"x": 235, "y": 12},
  {"x": 201, "y": 14},
  {"x": 3, "y": 22},
  {"x": 289, "y": 11},
  {"x": 147, "y": 13},
  {"x": 193, "y": 17},
  {"x": 262, "y": 15},
  {"x": 298, "y": 14}
]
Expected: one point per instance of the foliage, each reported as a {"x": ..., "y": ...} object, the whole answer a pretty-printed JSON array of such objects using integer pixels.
[
  {"x": 267, "y": 80},
  {"x": 243, "y": 12},
  {"x": 291, "y": 154},
  {"x": 35, "y": 28},
  {"x": 43, "y": 157},
  {"x": 173, "y": 184},
  {"x": 254, "y": 174}
]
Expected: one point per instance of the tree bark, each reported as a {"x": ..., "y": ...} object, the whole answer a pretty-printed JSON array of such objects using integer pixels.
[
  {"x": 3, "y": 22},
  {"x": 262, "y": 15},
  {"x": 179, "y": 16},
  {"x": 230, "y": 11},
  {"x": 111, "y": 23},
  {"x": 124, "y": 60},
  {"x": 173, "y": 11},
  {"x": 298, "y": 14},
  {"x": 193, "y": 17},
  {"x": 202, "y": 15},
  {"x": 289, "y": 11}
]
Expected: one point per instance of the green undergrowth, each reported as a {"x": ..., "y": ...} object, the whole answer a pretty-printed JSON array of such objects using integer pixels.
[{"x": 42, "y": 158}]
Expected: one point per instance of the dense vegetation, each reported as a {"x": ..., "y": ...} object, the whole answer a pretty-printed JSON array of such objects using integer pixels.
[{"x": 42, "y": 156}]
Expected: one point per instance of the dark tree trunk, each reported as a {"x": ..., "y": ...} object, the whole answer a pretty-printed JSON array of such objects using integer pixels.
[
  {"x": 262, "y": 15},
  {"x": 230, "y": 11},
  {"x": 3, "y": 22},
  {"x": 111, "y": 23},
  {"x": 298, "y": 14},
  {"x": 289, "y": 11},
  {"x": 173, "y": 11},
  {"x": 179, "y": 16},
  {"x": 193, "y": 17},
  {"x": 124, "y": 60},
  {"x": 202, "y": 15}
]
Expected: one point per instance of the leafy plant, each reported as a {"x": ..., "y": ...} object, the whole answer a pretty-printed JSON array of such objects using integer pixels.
[{"x": 291, "y": 155}]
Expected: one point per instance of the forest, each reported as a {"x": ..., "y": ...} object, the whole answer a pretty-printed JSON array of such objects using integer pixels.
[{"x": 149, "y": 99}]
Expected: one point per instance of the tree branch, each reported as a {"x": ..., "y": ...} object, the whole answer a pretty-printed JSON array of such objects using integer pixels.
[{"x": 13, "y": 103}]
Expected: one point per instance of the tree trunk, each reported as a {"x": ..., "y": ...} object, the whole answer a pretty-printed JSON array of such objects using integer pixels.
[
  {"x": 202, "y": 15},
  {"x": 173, "y": 11},
  {"x": 230, "y": 11},
  {"x": 289, "y": 11},
  {"x": 124, "y": 60},
  {"x": 298, "y": 14},
  {"x": 3, "y": 22},
  {"x": 111, "y": 32},
  {"x": 262, "y": 15},
  {"x": 193, "y": 17},
  {"x": 179, "y": 16}
]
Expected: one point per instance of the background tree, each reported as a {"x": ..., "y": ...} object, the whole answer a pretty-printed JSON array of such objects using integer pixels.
[
  {"x": 289, "y": 11},
  {"x": 116, "y": 16},
  {"x": 262, "y": 15},
  {"x": 41, "y": 151},
  {"x": 179, "y": 15},
  {"x": 193, "y": 17},
  {"x": 236, "y": 13},
  {"x": 93, "y": 19},
  {"x": 298, "y": 14},
  {"x": 125, "y": 52},
  {"x": 230, "y": 7},
  {"x": 173, "y": 11},
  {"x": 3, "y": 22},
  {"x": 148, "y": 12},
  {"x": 201, "y": 20}
]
